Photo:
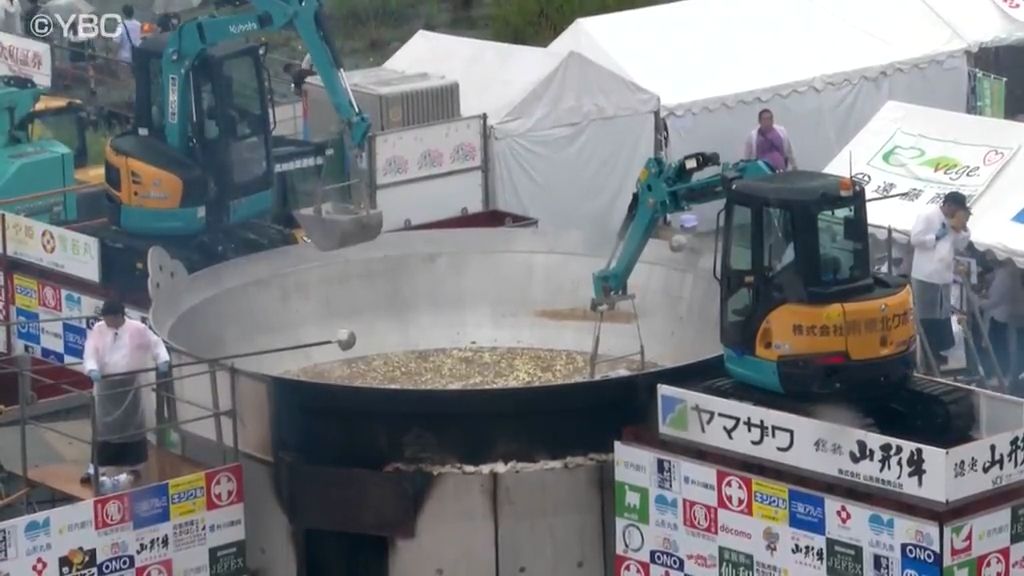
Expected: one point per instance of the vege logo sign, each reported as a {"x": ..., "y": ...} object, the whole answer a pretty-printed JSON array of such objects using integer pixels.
[{"x": 955, "y": 170}]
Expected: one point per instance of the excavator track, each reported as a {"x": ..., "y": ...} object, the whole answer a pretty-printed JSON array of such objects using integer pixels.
[{"x": 921, "y": 410}]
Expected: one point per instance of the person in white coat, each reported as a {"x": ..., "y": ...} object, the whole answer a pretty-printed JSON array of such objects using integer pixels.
[
  {"x": 117, "y": 349},
  {"x": 937, "y": 235}
]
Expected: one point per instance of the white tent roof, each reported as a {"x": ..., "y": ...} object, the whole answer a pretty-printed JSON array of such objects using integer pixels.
[
  {"x": 980, "y": 23},
  {"x": 523, "y": 88},
  {"x": 993, "y": 225},
  {"x": 708, "y": 53}
]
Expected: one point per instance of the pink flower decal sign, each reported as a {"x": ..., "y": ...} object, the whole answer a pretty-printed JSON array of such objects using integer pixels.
[
  {"x": 430, "y": 159},
  {"x": 463, "y": 153},
  {"x": 396, "y": 166}
]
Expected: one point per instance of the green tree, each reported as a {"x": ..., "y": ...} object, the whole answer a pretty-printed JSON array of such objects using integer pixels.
[{"x": 538, "y": 22}]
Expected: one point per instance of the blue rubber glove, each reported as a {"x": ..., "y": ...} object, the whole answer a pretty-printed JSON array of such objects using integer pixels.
[
  {"x": 943, "y": 231},
  {"x": 163, "y": 366},
  {"x": 94, "y": 375}
]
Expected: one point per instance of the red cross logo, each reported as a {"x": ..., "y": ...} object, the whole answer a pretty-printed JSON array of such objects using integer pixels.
[
  {"x": 844, "y": 515},
  {"x": 224, "y": 489},
  {"x": 39, "y": 566}
]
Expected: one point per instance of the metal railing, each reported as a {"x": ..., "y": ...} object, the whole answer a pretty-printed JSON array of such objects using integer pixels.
[
  {"x": 969, "y": 310},
  {"x": 166, "y": 402}
]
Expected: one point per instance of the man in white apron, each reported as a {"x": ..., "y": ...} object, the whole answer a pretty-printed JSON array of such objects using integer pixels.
[
  {"x": 115, "y": 350},
  {"x": 937, "y": 235}
]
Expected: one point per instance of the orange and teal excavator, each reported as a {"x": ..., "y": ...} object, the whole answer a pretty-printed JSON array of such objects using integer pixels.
[{"x": 802, "y": 314}]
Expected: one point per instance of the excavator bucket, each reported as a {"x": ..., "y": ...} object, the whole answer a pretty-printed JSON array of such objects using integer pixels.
[
  {"x": 337, "y": 226},
  {"x": 333, "y": 223}
]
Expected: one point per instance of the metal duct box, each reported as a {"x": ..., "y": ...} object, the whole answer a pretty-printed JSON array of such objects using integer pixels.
[{"x": 391, "y": 100}]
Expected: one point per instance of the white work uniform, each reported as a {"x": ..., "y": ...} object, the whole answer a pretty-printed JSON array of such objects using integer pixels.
[
  {"x": 933, "y": 259},
  {"x": 111, "y": 351}
]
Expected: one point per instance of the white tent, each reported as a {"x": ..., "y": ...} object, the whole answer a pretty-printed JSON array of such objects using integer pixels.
[
  {"x": 823, "y": 67},
  {"x": 997, "y": 223},
  {"x": 981, "y": 23},
  {"x": 568, "y": 136}
]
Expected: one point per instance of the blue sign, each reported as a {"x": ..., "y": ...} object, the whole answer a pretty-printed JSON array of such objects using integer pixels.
[
  {"x": 51, "y": 355},
  {"x": 72, "y": 304},
  {"x": 150, "y": 506},
  {"x": 36, "y": 529},
  {"x": 881, "y": 525},
  {"x": 117, "y": 565},
  {"x": 667, "y": 560},
  {"x": 74, "y": 340},
  {"x": 807, "y": 512},
  {"x": 672, "y": 406},
  {"x": 28, "y": 326},
  {"x": 920, "y": 560}
]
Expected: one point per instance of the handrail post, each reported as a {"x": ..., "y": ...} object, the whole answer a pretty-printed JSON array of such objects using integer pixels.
[
  {"x": 218, "y": 426},
  {"x": 24, "y": 364},
  {"x": 888, "y": 249},
  {"x": 232, "y": 379}
]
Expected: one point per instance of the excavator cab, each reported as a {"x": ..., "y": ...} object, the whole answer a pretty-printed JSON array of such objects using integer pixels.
[
  {"x": 225, "y": 174},
  {"x": 61, "y": 119},
  {"x": 801, "y": 311}
]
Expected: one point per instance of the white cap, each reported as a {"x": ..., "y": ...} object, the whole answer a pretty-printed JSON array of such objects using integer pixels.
[{"x": 687, "y": 220}]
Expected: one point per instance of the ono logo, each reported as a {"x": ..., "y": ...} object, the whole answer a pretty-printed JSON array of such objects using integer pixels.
[
  {"x": 920, "y": 554},
  {"x": 667, "y": 560},
  {"x": 115, "y": 565}
]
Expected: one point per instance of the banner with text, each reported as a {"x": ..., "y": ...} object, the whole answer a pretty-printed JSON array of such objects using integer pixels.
[
  {"x": 840, "y": 451},
  {"x": 675, "y": 516},
  {"x": 25, "y": 57},
  {"x": 191, "y": 525},
  {"x": 924, "y": 169},
  {"x": 52, "y": 247}
]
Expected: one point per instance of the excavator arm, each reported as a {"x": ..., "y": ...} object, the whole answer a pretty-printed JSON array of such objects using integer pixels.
[
  {"x": 188, "y": 41},
  {"x": 663, "y": 188}
]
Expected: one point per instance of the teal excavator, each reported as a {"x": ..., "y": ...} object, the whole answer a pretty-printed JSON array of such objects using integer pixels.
[
  {"x": 199, "y": 162},
  {"x": 803, "y": 317}
]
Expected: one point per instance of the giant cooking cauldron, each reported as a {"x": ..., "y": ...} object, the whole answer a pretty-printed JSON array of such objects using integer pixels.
[{"x": 438, "y": 289}]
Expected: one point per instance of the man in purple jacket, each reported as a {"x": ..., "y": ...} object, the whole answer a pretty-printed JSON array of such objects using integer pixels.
[{"x": 770, "y": 143}]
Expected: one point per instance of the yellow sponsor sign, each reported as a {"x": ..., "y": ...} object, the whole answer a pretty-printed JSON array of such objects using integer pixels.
[
  {"x": 188, "y": 496},
  {"x": 771, "y": 502},
  {"x": 26, "y": 292}
]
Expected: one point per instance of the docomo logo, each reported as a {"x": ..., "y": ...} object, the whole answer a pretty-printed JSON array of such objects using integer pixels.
[
  {"x": 87, "y": 26},
  {"x": 726, "y": 529}
]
